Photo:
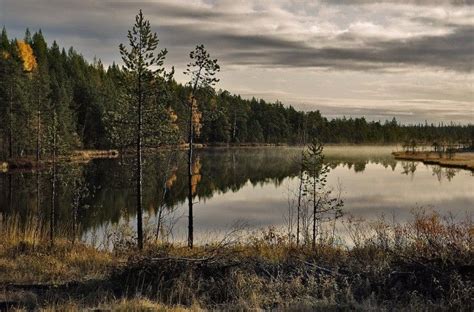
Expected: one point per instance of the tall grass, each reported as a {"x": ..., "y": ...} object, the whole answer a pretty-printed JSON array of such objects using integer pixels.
[
  {"x": 16, "y": 230},
  {"x": 27, "y": 256},
  {"x": 425, "y": 264}
]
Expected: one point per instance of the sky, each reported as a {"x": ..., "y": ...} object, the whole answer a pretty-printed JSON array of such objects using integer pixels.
[{"x": 411, "y": 59}]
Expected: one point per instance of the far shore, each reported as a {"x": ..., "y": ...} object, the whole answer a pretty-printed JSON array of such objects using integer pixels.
[
  {"x": 79, "y": 156},
  {"x": 462, "y": 160},
  {"x": 84, "y": 156}
]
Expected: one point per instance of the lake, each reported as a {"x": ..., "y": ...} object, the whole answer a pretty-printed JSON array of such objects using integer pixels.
[{"x": 251, "y": 187}]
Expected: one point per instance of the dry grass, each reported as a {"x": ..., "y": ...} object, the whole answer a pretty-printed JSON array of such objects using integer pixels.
[
  {"x": 129, "y": 305},
  {"x": 80, "y": 156},
  {"x": 27, "y": 257},
  {"x": 426, "y": 264}
]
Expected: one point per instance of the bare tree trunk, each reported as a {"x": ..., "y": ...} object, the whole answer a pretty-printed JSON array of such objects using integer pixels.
[
  {"x": 162, "y": 202},
  {"x": 10, "y": 130},
  {"x": 300, "y": 189},
  {"x": 190, "y": 175},
  {"x": 37, "y": 163},
  {"x": 298, "y": 211},
  {"x": 38, "y": 141},
  {"x": 234, "y": 130},
  {"x": 52, "y": 222},
  {"x": 74, "y": 223},
  {"x": 38, "y": 195},
  {"x": 190, "y": 161},
  {"x": 10, "y": 193},
  {"x": 315, "y": 206},
  {"x": 139, "y": 172}
]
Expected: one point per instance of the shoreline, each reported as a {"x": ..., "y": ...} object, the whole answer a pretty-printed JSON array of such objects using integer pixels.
[
  {"x": 79, "y": 156},
  {"x": 463, "y": 160},
  {"x": 267, "y": 271},
  {"x": 459, "y": 160},
  {"x": 84, "y": 156}
]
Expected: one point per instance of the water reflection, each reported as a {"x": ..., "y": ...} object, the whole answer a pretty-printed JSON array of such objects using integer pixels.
[{"x": 249, "y": 184}]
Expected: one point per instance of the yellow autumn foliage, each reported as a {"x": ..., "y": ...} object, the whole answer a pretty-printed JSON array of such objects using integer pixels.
[
  {"x": 171, "y": 180},
  {"x": 197, "y": 116},
  {"x": 196, "y": 177},
  {"x": 5, "y": 55},
  {"x": 173, "y": 118},
  {"x": 172, "y": 114},
  {"x": 26, "y": 55}
]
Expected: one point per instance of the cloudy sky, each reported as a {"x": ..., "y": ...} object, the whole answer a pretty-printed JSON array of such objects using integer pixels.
[{"x": 411, "y": 59}]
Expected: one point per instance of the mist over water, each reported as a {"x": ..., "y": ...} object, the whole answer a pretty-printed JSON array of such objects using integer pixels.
[{"x": 250, "y": 186}]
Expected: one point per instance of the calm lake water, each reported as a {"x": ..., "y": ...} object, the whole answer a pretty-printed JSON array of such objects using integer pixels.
[{"x": 250, "y": 186}]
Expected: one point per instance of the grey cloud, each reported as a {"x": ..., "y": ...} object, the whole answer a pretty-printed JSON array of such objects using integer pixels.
[
  {"x": 106, "y": 21},
  {"x": 405, "y": 2},
  {"x": 382, "y": 111},
  {"x": 95, "y": 28},
  {"x": 453, "y": 51}
]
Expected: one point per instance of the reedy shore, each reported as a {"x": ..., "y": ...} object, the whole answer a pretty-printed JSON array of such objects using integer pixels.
[
  {"x": 462, "y": 160},
  {"x": 424, "y": 264}
]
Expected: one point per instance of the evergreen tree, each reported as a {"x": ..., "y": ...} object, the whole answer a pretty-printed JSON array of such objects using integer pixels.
[
  {"x": 315, "y": 188},
  {"x": 41, "y": 87},
  {"x": 202, "y": 70},
  {"x": 94, "y": 109},
  {"x": 143, "y": 79}
]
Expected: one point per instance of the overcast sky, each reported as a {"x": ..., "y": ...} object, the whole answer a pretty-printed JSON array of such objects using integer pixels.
[{"x": 410, "y": 59}]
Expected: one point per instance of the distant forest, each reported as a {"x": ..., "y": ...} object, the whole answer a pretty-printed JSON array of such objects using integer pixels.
[{"x": 49, "y": 94}]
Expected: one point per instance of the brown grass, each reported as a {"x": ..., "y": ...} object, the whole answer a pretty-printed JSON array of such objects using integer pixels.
[
  {"x": 129, "y": 305},
  {"x": 29, "y": 163},
  {"x": 26, "y": 256},
  {"x": 426, "y": 264}
]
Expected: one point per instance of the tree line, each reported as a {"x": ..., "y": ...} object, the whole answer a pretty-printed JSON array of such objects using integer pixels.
[
  {"x": 53, "y": 101},
  {"x": 50, "y": 96}
]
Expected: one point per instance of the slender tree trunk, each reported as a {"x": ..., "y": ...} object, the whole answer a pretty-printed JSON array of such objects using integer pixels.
[
  {"x": 298, "y": 211},
  {"x": 74, "y": 222},
  {"x": 3, "y": 209},
  {"x": 38, "y": 192},
  {"x": 162, "y": 202},
  {"x": 38, "y": 140},
  {"x": 315, "y": 206},
  {"x": 160, "y": 216},
  {"x": 234, "y": 130},
  {"x": 38, "y": 147},
  {"x": 139, "y": 167},
  {"x": 10, "y": 130},
  {"x": 53, "y": 187},
  {"x": 190, "y": 175},
  {"x": 300, "y": 191},
  {"x": 10, "y": 193},
  {"x": 190, "y": 162}
]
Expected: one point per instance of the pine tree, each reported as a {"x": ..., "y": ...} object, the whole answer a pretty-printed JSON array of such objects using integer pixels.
[
  {"x": 143, "y": 78},
  {"x": 41, "y": 88},
  {"x": 315, "y": 182},
  {"x": 202, "y": 70}
]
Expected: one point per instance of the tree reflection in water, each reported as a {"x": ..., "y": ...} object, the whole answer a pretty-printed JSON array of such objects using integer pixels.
[{"x": 102, "y": 191}]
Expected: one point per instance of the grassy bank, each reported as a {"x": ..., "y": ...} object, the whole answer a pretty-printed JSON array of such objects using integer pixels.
[
  {"x": 458, "y": 160},
  {"x": 79, "y": 156},
  {"x": 427, "y": 264}
]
